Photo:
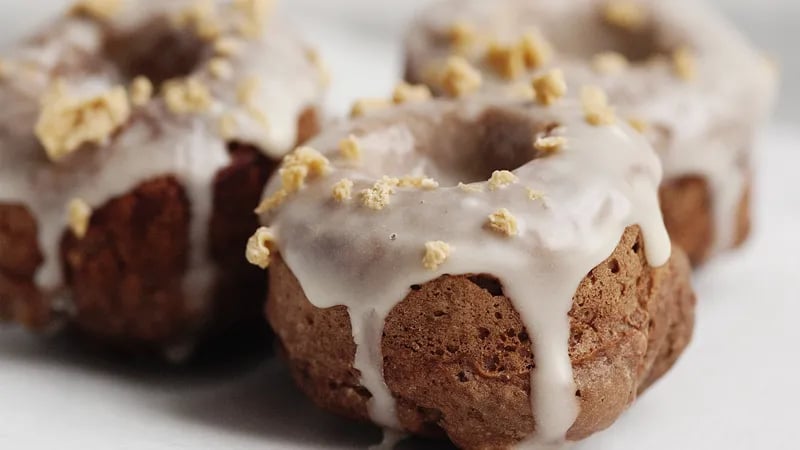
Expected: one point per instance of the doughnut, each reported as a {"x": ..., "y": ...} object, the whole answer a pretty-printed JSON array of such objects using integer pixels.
[
  {"x": 135, "y": 141},
  {"x": 494, "y": 271},
  {"x": 677, "y": 71}
]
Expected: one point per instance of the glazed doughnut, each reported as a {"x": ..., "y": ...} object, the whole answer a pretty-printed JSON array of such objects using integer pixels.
[
  {"x": 679, "y": 72},
  {"x": 136, "y": 139},
  {"x": 409, "y": 291}
]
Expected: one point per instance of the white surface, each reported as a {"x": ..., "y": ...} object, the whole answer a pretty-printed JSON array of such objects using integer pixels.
[{"x": 735, "y": 389}]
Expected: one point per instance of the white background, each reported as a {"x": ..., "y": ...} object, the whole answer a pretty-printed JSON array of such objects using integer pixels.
[{"x": 735, "y": 389}]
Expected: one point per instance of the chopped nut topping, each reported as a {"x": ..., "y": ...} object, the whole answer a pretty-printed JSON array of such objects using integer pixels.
[
  {"x": 408, "y": 93},
  {"x": 247, "y": 89},
  {"x": 533, "y": 194},
  {"x": 343, "y": 190},
  {"x": 260, "y": 246},
  {"x": 220, "y": 68},
  {"x": 436, "y": 253},
  {"x": 502, "y": 221},
  {"x": 228, "y": 126},
  {"x": 365, "y": 106},
  {"x": 596, "y": 108},
  {"x": 639, "y": 124},
  {"x": 550, "y": 144},
  {"x": 141, "y": 91},
  {"x": 501, "y": 179},
  {"x": 625, "y": 14},
  {"x": 684, "y": 64},
  {"x": 293, "y": 177},
  {"x": 272, "y": 202},
  {"x": 460, "y": 78},
  {"x": 99, "y": 9},
  {"x": 462, "y": 35},
  {"x": 379, "y": 195},
  {"x": 550, "y": 87},
  {"x": 186, "y": 96},
  {"x": 418, "y": 182},
  {"x": 535, "y": 49},
  {"x": 507, "y": 60},
  {"x": 227, "y": 46},
  {"x": 471, "y": 188},
  {"x": 66, "y": 123},
  {"x": 78, "y": 214},
  {"x": 255, "y": 14},
  {"x": 609, "y": 63},
  {"x": 202, "y": 18}
]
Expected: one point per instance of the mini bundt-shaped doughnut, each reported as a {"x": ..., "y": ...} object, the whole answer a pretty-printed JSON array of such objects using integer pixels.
[
  {"x": 529, "y": 309},
  {"x": 676, "y": 70},
  {"x": 135, "y": 142}
]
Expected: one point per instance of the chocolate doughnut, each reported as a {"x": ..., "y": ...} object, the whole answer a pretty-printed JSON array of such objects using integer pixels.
[
  {"x": 529, "y": 309},
  {"x": 679, "y": 72},
  {"x": 135, "y": 141}
]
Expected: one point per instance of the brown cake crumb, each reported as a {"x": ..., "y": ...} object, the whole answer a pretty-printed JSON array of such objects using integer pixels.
[
  {"x": 220, "y": 68},
  {"x": 684, "y": 63},
  {"x": 260, "y": 246},
  {"x": 535, "y": 49},
  {"x": 343, "y": 190},
  {"x": 141, "y": 91},
  {"x": 550, "y": 87},
  {"x": 379, "y": 195},
  {"x": 67, "y": 123},
  {"x": 350, "y": 148},
  {"x": 501, "y": 179},
  {"x": 507, "y": 60},
  {"x": 98, "y": 9},
  {"x": 625, "y": 14},
  {"x": 364, "y": 106},
  {"x": 503, "y": 222},
  {"x": 550, "y": 144},
  {"x": 409, "y": 93},
  {"x": 186, "y": 96},
  {"x": 610, "y": 63},
  {"x": 595, "y": 106},
  {"x": 79, "y": 213},
  {"x": 436, "y": 253},
  {"x": 460, "y": 78}
]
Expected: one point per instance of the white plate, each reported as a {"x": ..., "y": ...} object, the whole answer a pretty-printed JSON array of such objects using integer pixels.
[{"x": 735, "y": 389}]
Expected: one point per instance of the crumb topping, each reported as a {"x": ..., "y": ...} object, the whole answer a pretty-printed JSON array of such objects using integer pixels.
[
  {"x": 350, "y": 148},
  {"x": 227, "y": 46},
  {"x": 322, "y": 68},
  {"x": 343, "y": 190},
  {"x": 684, "y": 63},
  {"x": 534, "y": 195},
  {"x": 228, "y": 126},
  {"x": 409, "y": 93},
  {"x": 254, "y": 14},
  {"x": 66, "y": 123},
  {"x": 379, "y": 195},
  {"x": 503, "y": 222},
  {"x": 535, "y": 49},
  {"x": 639, "y": 124},
  {"x": 522, "y": 91},
  {"x": 98, "y": 9},
  {"x": 436, "y": 253},
  {"x": 608, "y": 63},
  {"x": 79, "y": 213},
  {"x": 259, "y": 247},
  {"x": 507, "y": 60},
  {"x": 202, "y": 18},
  {"x": 258, "y": 114},
  {"x": 220, "y": 68},
  {"x": 247, "y": 89},
  {"x": 471, "y": 188},
  {"x": 365, "y": 106},
  {"x": 549, "y": 144},
  {"x": 625, "y": 14},
  {"x": 141, "y": 91},
  {"x": 460, "y": 78},
  {"x": 273, "y": 201},
  {"x": 596, "y": 108},
  {"x": 419, "y": 182},
  {"x": 550, "y": 87},
  {"x": 317, "y": 164},
  {"x": 501, "y": 179},
  {"x": 293, "y": 177},
  {"x": 462, "y": 35},
  {"x": 186, "y": 96}
]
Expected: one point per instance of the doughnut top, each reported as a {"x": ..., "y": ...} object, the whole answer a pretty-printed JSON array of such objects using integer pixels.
[{"x": 535, "y": 196}]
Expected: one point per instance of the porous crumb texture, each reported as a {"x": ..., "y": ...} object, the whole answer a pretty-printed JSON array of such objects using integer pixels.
[
  {"x": 124, "y": 278},
  {"x": 458, "y": 359}
]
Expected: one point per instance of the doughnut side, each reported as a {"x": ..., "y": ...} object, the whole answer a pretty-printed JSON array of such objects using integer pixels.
[{"x": 457, "y": 357}]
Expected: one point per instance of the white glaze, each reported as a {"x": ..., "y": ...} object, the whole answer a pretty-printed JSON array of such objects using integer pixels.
[
  {"x": 710, "y": 122},
  {"x": 346, "y": 254},
  {"x": 154, "y": 143}
]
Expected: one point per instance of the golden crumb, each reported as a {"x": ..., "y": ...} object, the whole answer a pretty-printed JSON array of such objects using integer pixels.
[
  {"x": 436, "y": 253},
  {"x": 79, "y": 213},
  {"x": 462, "y": 35},
  {"x": 202, "y": 18},
  {"x": 508, "y": 61},
  {"x": 321, "y": 66},
  {"x": 99, "y": 9},
  {"x": 502, "y": 221},
  {"x": 141, "y": 91},
  {"x": 227, "y": 46},
  {"x": 258, "y": 114},
  {"x": 550, "y": 87},
  {"x": 471, "y": 187},
  {"x": 419, "y": 182},
  {"x": 549, "y": 144},
  {"x": 186, "y": 96},
  {"x": 343, "y": 190},
  {"x": 596, "y": 108},
  {"x": 536, "y": 51},
  {"x": 254, "y": 15},
  {"x": 365, "y": 106},
  {"x": 220, "y": 68},
  {"x": 66, "y": 123},
  {"x": 247, "y": 89},
  {"x": 272, "y": 202},
  {"x": 409, "y": 93},
  {"x": 533, "y": 194},
  {"x": 639, "y": 124},
  {"x": 501, "y": 179},
  {"x": 522, "y": 91},
  {"x": 259, "y": 247},
  {"x": 379, "y": 195},
  {"x": 608, "y": 63},
  {"x": 317, "y": 164},
  {"x": 625, "y": 14},
  {"x": 350, "y": 148},
  {"x": 293, "y": 177},
  {"x": 460, "y": 78},
  {"x": 228, "y": 126},
  {"x": 684, "y": 63}
]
